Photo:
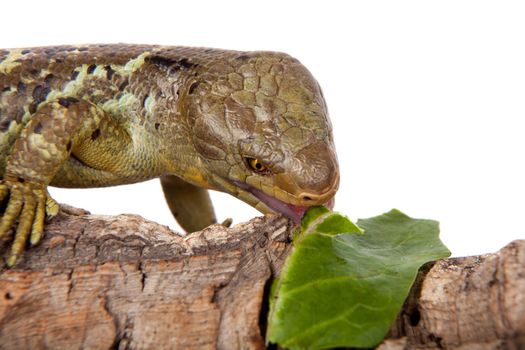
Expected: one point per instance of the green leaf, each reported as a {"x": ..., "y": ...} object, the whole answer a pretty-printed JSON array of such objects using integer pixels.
[
  {"x": 342, "y": 289},
  {"x": 322, "y": 220}
]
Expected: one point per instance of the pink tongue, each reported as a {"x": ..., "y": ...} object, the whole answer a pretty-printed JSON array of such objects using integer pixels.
[
  {"x": 294, "y": 212},
  {"x": 298, "y": 212}
]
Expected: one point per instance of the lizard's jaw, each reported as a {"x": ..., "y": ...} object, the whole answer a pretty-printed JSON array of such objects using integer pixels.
[{"x": 294, "y": 212}]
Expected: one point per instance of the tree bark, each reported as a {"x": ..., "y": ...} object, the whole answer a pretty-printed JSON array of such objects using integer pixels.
[
  {"x": 475, "y": 302},
  {"x": 102, "y": 282}
]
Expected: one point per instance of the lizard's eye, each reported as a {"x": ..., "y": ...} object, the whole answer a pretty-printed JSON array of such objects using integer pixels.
[{"x": 257, "y": 166}]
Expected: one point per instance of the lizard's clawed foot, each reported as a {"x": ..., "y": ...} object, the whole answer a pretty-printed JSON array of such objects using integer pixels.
[{"x": 27, "y": 203}]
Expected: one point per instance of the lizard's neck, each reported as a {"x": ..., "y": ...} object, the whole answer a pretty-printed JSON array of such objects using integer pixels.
[{"x": 165, "y": 117}]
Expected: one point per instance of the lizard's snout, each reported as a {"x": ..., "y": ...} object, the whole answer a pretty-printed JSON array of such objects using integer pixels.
[
  {"x": 325, "y": 197},
  {"x": 313, "y": 177}
]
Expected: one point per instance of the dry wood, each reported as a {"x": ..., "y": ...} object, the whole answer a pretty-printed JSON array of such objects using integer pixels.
[
  {"x": 100, "y": 282},
  {"x": 476, "y": 302}
]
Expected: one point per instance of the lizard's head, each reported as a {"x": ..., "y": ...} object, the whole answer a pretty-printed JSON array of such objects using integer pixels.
[{"x": 261, "y": 129}]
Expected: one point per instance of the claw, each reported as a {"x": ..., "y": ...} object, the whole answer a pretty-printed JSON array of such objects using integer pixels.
[{"x": 28, "y": 203}]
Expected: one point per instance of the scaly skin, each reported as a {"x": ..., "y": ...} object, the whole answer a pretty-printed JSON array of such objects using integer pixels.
[{"x": 252, "y": 124}]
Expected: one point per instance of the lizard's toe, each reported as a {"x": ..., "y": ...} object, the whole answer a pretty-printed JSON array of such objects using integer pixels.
[
  {"x": 37, "y": 230},
  {"x": 25, "y": 223},
  {"x": 227, "y": 222},
  {"x": 14, "y": 206},
  {"x": 51, "y": 207},
  {"x": 4, "y": 191}
]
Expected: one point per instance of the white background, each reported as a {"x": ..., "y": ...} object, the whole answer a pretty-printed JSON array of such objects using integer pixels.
[{"x": 427, "y": 98}]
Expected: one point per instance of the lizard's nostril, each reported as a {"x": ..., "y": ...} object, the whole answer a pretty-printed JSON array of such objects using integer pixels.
[{"x": 307, "y": 198}]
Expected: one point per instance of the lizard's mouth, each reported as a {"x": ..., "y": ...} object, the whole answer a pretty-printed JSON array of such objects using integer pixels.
[{"x": 294, "y": 212}]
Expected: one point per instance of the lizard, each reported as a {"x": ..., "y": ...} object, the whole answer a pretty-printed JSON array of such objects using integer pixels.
[{"x": 253, "y": 124}]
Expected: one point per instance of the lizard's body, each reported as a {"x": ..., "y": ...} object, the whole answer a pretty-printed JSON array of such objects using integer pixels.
[{"x": 253, "y": 124}]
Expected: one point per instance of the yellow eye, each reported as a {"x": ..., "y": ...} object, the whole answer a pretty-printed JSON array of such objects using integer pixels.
[{"x": 256, "y": 165}]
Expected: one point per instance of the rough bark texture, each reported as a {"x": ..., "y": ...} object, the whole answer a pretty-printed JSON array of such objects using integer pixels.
[
  {"x": 99, "y": 282},
  {"x": 476, "y": 302}
]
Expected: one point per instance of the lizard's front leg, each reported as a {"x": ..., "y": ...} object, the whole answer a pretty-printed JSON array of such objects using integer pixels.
[{"x": 44, "y": 145}]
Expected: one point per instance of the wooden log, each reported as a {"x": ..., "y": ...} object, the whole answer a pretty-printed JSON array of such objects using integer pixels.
[
  {"x": 100, "y": 282},
  {"x": 475, "y": 302}
]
